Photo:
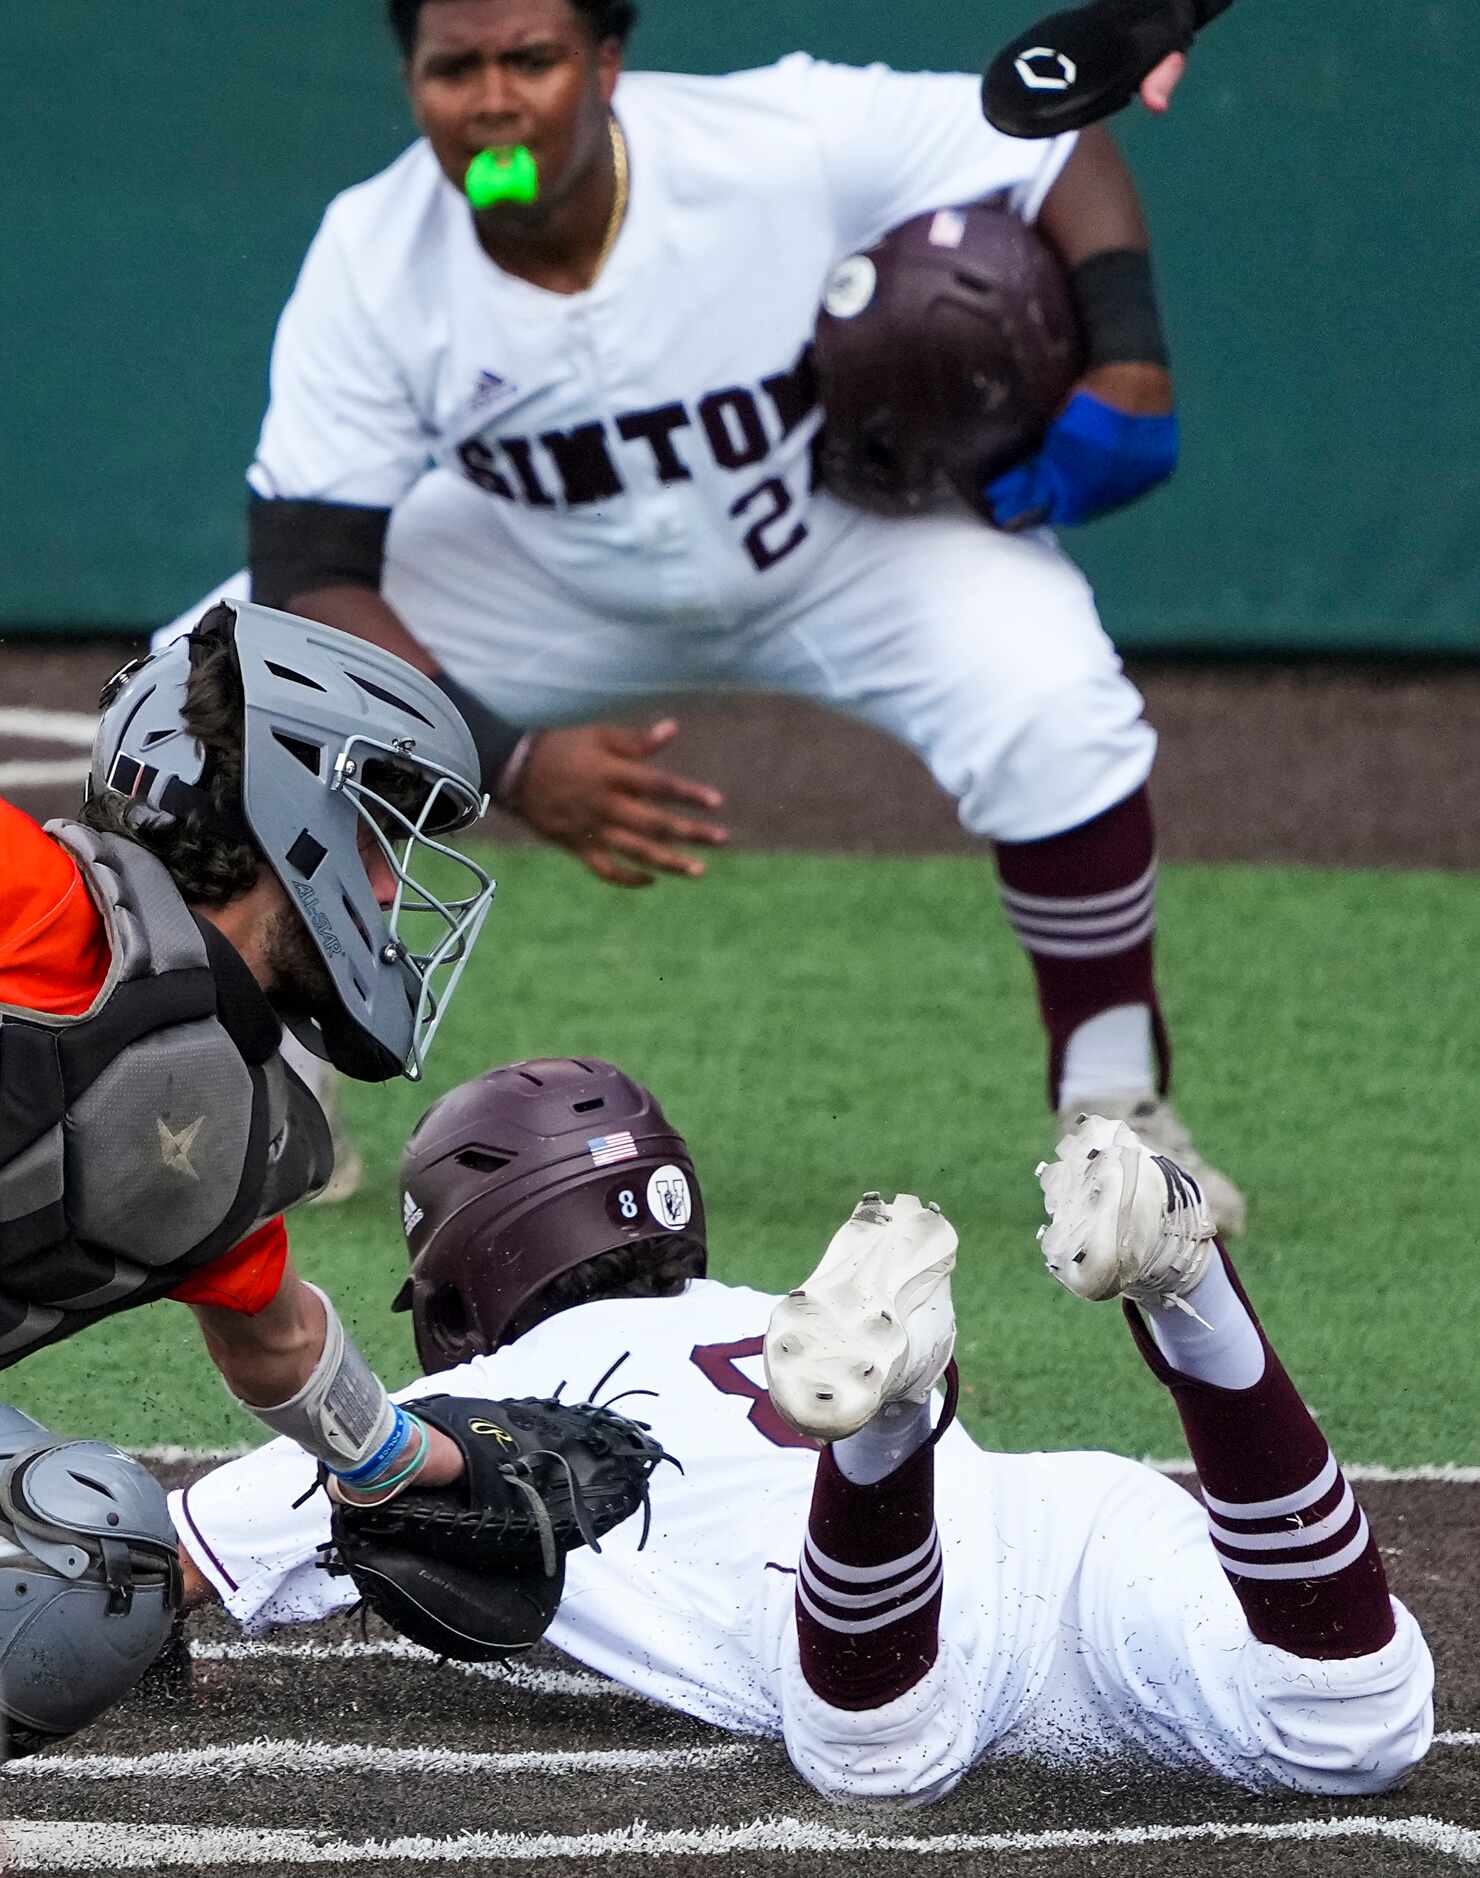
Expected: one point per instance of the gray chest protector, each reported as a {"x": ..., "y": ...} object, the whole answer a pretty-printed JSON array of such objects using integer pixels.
[{"x": 144, "y": 1138}]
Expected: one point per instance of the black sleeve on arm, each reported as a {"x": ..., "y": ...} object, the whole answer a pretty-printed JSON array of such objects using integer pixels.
[
  {"x": 293, "y": 546},
  {"x": 1116, "y": 303}
]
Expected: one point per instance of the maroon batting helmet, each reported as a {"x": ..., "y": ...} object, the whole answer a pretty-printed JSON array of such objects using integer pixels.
[
  {"x": 522, "y": 1174},
  {"x": 943, "y": 352}
]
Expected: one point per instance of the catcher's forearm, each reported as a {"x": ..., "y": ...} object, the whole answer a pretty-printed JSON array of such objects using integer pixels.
[
  {"x": 1073, "y": 68},
  {"x": 344, "y": 1418}
]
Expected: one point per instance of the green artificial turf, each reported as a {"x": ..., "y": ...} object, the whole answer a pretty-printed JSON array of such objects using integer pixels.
[{"x": 818, "y": 1026}]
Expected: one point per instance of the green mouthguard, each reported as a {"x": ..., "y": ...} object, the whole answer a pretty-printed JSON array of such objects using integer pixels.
[{"x": 502, "y": 176}]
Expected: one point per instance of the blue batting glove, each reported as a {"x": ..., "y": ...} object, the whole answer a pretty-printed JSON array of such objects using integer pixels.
[{"x": 1094, "y": 459}]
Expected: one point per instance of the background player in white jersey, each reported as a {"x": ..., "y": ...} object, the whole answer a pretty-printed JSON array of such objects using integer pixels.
[
  {"x": 560, "y": 455},
  {"x": 1061, "y": 1605}
]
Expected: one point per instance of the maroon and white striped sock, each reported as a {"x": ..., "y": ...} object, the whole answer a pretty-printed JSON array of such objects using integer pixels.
[
  {"x": 1083, "y": 905},
  {"x": 869, "y": 1584},
  {"x": 1284, "y": 1522}
]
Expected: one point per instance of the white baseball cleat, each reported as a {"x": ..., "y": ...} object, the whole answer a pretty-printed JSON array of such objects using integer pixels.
[
  {"x": 1124, "y": 1222},
  {"x": 1162, "y": 1130},
  {"x": 872, "y": 1325}
]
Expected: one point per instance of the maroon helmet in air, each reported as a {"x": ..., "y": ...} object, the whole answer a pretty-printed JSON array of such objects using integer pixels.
[
  {"x": 942, "y": 354},
  {"x": 522, "y": 1174}
]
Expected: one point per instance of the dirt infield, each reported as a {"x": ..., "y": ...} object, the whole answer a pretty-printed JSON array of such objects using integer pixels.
[
  {"x": 1329, "y": 765},
  {"x": 701, "y": 1781},
  {"x": 1333, "y": 765}
]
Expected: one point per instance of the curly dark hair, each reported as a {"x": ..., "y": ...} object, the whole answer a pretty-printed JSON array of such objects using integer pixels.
[
  {"x": 608, "y": 19},
  {"x": 209, "y": 865},
  {"x": 659, "y": 1267}
]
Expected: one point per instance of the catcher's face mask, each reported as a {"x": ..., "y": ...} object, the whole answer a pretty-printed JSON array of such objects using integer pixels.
[
  {"x": 431, "y": 929},
  {"x": 338, "y": 737}
]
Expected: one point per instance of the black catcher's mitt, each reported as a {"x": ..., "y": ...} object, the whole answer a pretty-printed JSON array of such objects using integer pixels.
[{"x": 475, "y": 1570}]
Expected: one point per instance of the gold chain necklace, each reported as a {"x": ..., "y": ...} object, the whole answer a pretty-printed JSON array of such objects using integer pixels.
[{"x": 619, "y": 196}]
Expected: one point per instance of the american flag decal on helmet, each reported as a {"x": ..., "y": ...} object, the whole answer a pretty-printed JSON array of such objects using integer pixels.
[{"x": 604, "y": 1149}]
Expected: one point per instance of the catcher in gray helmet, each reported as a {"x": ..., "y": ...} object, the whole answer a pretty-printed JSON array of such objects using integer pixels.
[
  {"x": 263, "y": 798},
  {"x": 838, "y": 1563}
]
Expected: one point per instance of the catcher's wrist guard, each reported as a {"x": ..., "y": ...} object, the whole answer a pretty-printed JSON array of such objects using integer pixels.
[
  {"x": 342, "y": 1415},
  {"x": 474, "y": 1570},
  {"x": 1072, "y": 69},
  {"x": 389, "y": 1470}
]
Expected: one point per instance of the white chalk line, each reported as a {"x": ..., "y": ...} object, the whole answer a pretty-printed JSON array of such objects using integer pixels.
[
  {"x": 68, "y": 727},
  {"x": 19, "y": 720},
  {"x": 265, "y": 1758},
  {"x": 44, "y": 775},
  {"x": 273, "y": 1760},
  {"x": 514, "y": 1675},
  {"x": 67, "y": 1845},
  {"x": 519, "y": 1676},
  {"x": 1449, "y": 1473}
]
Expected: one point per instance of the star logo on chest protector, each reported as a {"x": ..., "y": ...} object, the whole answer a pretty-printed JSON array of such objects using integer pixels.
[{"x": 175, "y": 1145}]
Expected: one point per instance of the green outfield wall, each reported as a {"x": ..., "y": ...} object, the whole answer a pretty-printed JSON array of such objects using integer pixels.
[{"x": 1315, "y": 200}]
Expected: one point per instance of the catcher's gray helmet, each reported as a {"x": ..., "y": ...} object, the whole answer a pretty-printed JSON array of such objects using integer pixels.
[
  {"x": 523, "y": 1174},
  {"x": 942, "y": 353},
  {"x": 338, "y": 737},
  {"x": 89, "y": 1581}
]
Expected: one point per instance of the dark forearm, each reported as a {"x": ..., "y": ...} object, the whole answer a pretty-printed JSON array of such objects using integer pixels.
[
  {"x": 1094, "y": 205},
  {"x": 1140, "y": 390},
  {"x": 1092, "y": 216},
  {"x": 368, "y": 615},
  {"x": 1116, "y": 436},
  {"x": 323, "y": 560}
]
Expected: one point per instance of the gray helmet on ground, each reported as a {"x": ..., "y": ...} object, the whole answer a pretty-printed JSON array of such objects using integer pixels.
[
  {"x": 523, "y": 1174},
  {"x": 89, "y": 1581},
  {"x": 338, "y": 736},
  {"x": 942, "y": 354}
]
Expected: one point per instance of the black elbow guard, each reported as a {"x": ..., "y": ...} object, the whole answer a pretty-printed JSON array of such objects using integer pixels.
[
  {"x": 1116, "y": 303},
  {"x": 1076, "y": 67},
  {"x": 295, "y": 546}
]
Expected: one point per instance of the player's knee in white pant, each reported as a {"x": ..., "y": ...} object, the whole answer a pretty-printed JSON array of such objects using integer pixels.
[
  {"x": 1354, "y": 1726},
  {"x": 1080, "y": 752},
  {"x": 907, "y": 1753}
]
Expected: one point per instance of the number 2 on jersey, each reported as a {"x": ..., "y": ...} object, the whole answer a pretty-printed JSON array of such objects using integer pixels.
[
  {"x": 718, "y": 1362},
  {"x": 765, "y": 552}
]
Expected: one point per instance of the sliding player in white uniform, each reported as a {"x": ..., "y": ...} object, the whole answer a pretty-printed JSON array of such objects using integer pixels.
[
  {"x": 949, "y": 1604},
  {"x": 559, "y": 454}
]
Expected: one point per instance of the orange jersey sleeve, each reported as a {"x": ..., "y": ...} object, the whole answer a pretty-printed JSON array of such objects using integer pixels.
[
  {"x": 245, "y": 1279},
  {"x": 53, "y": 943},
  {"x": 54, "y": 957}
]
